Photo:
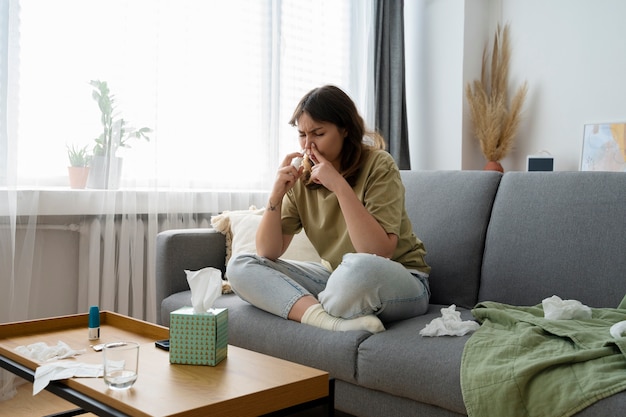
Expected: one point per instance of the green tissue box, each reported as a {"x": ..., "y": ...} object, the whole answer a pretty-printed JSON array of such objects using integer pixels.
[{"x": 198, "y": 338}]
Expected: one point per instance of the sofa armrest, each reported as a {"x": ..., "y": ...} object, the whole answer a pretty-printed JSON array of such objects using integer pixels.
[{"x": 181, "y": 249}]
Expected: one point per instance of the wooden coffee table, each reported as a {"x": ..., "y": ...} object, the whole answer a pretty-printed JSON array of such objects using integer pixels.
[{"x": 246, "y": 383}]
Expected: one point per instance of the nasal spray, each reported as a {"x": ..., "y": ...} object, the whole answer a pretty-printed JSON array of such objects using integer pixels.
[{"x": 94, "y": 323}]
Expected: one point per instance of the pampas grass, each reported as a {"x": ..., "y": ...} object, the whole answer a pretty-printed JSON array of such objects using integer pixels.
[{"x": 494, "y": 123}]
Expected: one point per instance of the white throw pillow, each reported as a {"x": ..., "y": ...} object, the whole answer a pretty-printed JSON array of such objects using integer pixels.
[{"x": 240, "y": 228}]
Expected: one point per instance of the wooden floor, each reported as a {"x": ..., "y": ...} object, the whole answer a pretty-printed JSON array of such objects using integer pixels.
[{"x": 24, "y": 404}]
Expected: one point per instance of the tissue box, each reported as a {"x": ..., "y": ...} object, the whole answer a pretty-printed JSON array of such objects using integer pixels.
[{"x": 198, "y": 338}]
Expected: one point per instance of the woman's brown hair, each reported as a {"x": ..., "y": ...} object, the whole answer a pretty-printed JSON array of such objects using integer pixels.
[{"x": 331, "y": 105}]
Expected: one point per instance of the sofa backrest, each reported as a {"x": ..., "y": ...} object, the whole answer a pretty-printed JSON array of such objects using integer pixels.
[
  {"x": 557, "y": 233},
  {"x": 450, "y": 211}
]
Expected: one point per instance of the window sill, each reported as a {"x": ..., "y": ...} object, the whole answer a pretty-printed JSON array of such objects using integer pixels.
[{"x": 63, "y": 201}]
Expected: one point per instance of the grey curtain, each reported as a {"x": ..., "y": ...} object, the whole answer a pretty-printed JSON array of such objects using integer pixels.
[{"x": 391, "y": 119}]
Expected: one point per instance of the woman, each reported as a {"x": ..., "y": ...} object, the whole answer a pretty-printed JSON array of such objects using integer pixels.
[{"x": 349, "y": 198}]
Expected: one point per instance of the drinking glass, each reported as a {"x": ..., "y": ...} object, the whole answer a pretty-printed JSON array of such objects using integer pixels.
[{"x": 121, "y": 362}]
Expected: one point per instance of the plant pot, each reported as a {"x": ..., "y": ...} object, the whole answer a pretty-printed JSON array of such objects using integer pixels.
[
  {"x": 494, "y": 166},
  {"x": 105, "y": 173},
  {"x": 78, "y": 176}
]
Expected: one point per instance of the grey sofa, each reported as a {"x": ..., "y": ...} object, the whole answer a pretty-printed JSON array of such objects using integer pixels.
[{"x": 515, "y": 238}]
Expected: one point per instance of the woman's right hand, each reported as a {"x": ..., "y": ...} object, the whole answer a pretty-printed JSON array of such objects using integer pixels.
[{"x": 286, "y": 178}]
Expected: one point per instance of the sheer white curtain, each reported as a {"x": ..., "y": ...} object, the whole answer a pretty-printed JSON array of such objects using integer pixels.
[{"x": 215, "y": 81}]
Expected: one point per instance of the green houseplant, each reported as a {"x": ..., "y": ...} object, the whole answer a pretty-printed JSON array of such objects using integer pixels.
[
  {"x": 79, "y": 157},
  {"x": 116, "y": 133},
  {"x": 78, "y": 170}
]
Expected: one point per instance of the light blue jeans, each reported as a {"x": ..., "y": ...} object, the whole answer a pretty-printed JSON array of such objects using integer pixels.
[{"x": 362, "y": 284}]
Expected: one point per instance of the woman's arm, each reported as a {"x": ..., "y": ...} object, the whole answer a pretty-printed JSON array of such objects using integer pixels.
[
  {"x": 366, "y": 234},
  {"x": 270, "y": 241}
]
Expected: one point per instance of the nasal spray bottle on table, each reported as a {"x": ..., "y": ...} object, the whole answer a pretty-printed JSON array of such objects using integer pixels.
[{"x": 94, "y": 323}]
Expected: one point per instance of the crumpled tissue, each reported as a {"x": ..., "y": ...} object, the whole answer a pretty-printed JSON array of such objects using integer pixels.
[
  {"x": 449, "y": 324},
  {"x": 206, "y": 286},
  {"x": 618, "y": 329},
  {"x": 64, "y": 370},
  {"x": 554, "y": 308},
  {"x": 41, "y": 352}
]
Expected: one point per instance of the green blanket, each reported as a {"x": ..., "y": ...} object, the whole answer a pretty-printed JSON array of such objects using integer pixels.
[{"x": 520, "y": 364}]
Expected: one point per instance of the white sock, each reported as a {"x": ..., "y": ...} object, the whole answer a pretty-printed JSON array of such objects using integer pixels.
[{"x": 316, "y": 316}]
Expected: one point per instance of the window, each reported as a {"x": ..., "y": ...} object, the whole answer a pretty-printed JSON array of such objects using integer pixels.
[{"x": 216, "y": 81}]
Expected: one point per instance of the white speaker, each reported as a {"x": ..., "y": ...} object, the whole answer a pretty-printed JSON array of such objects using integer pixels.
[{"x": 539, "y": 163}]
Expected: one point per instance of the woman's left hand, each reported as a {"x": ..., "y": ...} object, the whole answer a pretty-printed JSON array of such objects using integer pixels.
[{"x": 323, "y": 172}]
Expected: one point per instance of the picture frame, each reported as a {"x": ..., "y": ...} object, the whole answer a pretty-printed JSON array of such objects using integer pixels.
[{"x": 604, "y": 147}]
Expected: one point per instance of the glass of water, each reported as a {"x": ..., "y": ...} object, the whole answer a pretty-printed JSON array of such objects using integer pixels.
[{"x": 121, "y": 363}]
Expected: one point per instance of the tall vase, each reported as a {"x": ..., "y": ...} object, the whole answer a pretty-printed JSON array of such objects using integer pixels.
[
  {"x": 105, "y": 173},
  {"x": 494, "y": 166}
]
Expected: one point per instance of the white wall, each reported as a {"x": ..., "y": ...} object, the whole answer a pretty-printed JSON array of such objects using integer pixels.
[{"x": 571, "y": 52}]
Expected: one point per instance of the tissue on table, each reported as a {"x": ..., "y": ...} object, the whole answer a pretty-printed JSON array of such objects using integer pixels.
[
  {"x": 41, "y": 352},
  {"x": 199, "y": 333},
  {"x": 554, "y": 308},
  {"x": 63, "y": 370},
  {"x": 53, "y": 371}
]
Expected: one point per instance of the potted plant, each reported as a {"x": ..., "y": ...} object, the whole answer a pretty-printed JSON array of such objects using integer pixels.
[
  {"x": 78, "y": 170},
  {"x": 495, "y": 120},
  {"x": 116, "y": 133}
]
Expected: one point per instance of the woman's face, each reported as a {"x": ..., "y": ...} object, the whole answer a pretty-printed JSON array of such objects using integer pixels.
[{"x": 328, "y": 139}]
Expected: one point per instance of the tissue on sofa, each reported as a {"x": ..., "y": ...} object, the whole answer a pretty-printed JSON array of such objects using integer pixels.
[
  {"x": 449, "y": 324},
  {"x": 555, "y": 308},
  {"x": 198, "y": 338}
]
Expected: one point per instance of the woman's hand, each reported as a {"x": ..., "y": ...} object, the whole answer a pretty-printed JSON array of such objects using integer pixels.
[
  {"x": 286, "y": 178},
  {"x": 323, "y": 172}
]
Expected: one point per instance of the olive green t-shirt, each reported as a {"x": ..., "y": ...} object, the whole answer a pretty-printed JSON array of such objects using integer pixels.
[{"x": 380, "y": 189}]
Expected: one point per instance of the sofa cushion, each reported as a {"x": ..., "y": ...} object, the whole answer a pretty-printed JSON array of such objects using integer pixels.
[
  {"x": 240, "y": 226},
  {"x": 257, "y": 330},
  {"x": 450, "y": 212},
  {"x": 426, "y": 369},
  {"x": 172, "y": 303},
  {"x": 557, "y": 233}
]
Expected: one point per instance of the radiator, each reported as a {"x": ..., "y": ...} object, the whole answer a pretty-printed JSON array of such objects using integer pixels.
[{"x": 117, "y": 261}]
